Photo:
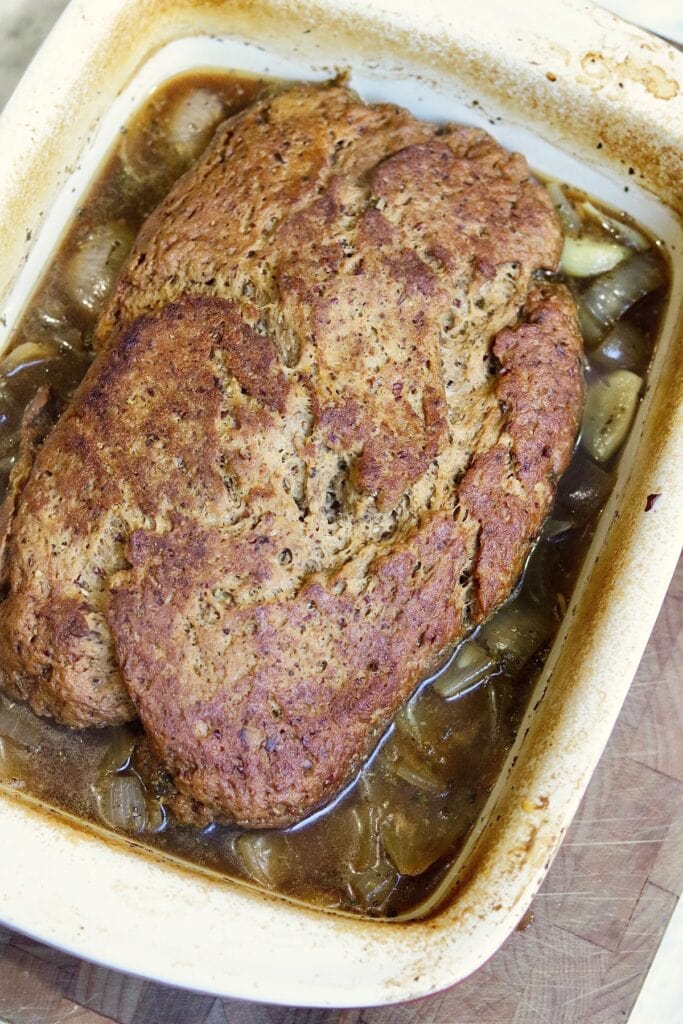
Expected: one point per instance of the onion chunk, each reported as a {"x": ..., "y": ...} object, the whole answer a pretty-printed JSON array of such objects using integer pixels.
[
  {"x": 122, "y": 803},
  {"x": 360, "y": 831},
  {"x": 587, "y": 257},
  {"x": 415, "y": 838},
  {"x": 20, "y": 725},
  {"x": 471, "y": 666},
  {"x": 565, "y": 208},
  {"x": 264, "y": 857},
  {"x": 610, "y": 295},
  {"x": 401, "y": 760},
  {"x": 517, "y": 631},
  {"x": 584, "y": 489},
  {"x": 29, "y": 353},
  {"x": 622, "y": 232},
  {"x": 94, "y": 267},
  {"x": 372, "y": 887},
  {"x": 623, "y": 348},
  {"x": 192, "y": 122},
  {"x": 610, "y": 407},
  {"x": 117, "y": 756}
]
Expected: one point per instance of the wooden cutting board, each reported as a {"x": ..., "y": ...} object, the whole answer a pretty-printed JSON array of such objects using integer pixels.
[{"x": 589, "y": 939}]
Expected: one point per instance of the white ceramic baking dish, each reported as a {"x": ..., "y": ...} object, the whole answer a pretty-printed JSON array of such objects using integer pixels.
[{"x": 587, "y": 99}]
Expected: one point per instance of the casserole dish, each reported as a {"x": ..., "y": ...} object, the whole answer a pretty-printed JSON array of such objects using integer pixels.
[{"x": 604, "y": 101}]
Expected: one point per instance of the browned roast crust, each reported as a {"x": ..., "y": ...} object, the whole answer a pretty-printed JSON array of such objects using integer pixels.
[
  {"x": 298, "y": 188},
  {"x": 38, "y": 419},
  {"x": 325, "y": 672},
  {"x": 295, "y": 474},
  {"x": 508, "y": 489},
  {"x": 275, "y": 704}
]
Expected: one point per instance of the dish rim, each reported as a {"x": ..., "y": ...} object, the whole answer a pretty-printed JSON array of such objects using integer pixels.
[{"x": 382, "y": 963}]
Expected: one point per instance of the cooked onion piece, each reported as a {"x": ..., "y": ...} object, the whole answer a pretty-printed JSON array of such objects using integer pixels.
[
  {"x": 127, "y": 804},
  {"x": 565, "y": 208},
  {"x": 420, "y": 775},
  {"x": 415, "y": 838},
  {"x": 410, "y": 722},
  {"x": 438, "y": 731},
  {"x": 68, "y": 339},
  {"x": 357, "y": 833},
  {"x": 94, "y": 267},
  {"x": 610, "y": 407},
  {"x": 591, "y": 329},
  {"x": 29, "y": 353},
  {"x": 403, "y": 761},
  {"x": 623, "y": 347},
  {"x": 119, "y": 751},
  {"x": 554, "y": 528},
  {"x": 157, "y": 819},
  {"x": 622, "y": 232},
  {"x": 263, "y": 856},
  {"x": 584, "y": 489},
  {"x": 122, "y": 803},
  {"x": 470, "y": 667},
  {"x": 516, "y": 631},
  {"x": 51, "y": 313},
  {"x": 372, "y": 887},
  {"x": 50, "y": 321},
  {"x": 587, "y": 257},
  {"x": 139, "y": 169},
  {"x": 424, "y": 723},
  {"x": 611, "y": 294},
  {"x": 192, "y": 122},
  {"x": 20, "y": 725}
]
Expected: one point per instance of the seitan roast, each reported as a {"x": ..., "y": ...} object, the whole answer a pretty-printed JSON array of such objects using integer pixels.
[{"x": 329, "y": 408}]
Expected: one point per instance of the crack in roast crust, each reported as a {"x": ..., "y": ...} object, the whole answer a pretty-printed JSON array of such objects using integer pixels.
[{"x": 322, "y": 430}]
